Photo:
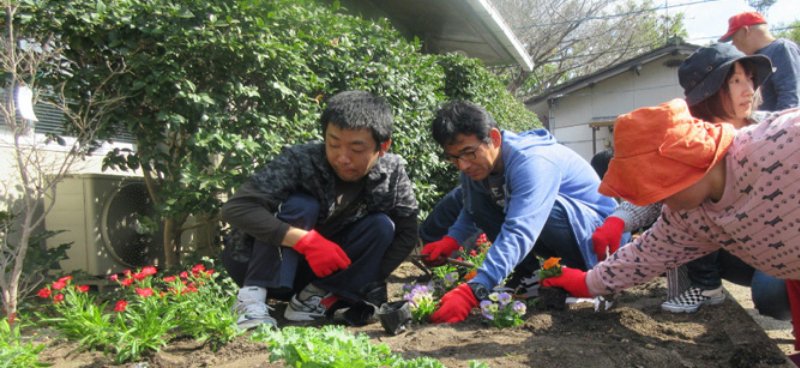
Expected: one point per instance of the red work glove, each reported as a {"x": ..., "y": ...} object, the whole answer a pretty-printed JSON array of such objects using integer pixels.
[
  {"x": 608, "y": 237},
  {"x": 323, "y": 255},
  {"x": 438, "y": 251},
  {"x": 455, "y": 305},
  {"x": 572, "y": 280}
]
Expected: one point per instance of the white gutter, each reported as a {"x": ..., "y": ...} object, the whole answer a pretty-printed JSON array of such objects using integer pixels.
[{"x": 497, "y": 26}]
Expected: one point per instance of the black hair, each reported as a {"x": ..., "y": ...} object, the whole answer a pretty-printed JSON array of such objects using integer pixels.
[
  {"x": 601, "y": 160},
  {"x": 462, "y": 117},
  {"x": 356, "y": 110},
  {"x": 713, "y": 106}
]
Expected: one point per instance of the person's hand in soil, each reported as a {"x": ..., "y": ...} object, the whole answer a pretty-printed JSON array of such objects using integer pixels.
[
  {"x": 323, "y": 255},
  {"x": 455, "y": 305},
  {"x": 572, "y": 280},
  {"x": 439, "y": 251},
  {"x": 607, "y": 237}
]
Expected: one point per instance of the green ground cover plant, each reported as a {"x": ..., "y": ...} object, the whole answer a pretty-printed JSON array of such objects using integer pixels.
[{"x": 333, "y": 347}]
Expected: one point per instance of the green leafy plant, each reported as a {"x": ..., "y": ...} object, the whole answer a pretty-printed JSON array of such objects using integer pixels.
[
  {"x": 78, "y": 317},
  {"x": 334, "y": 347},
  {"x": 275, "y": 63},
  {"x": 501, "y": 310},
  {"x": 15, "y": 350},
  {"x": 420, "y": 300},
  {"x": 149, "y": 312},
  {"x": 550, "y": 268}
]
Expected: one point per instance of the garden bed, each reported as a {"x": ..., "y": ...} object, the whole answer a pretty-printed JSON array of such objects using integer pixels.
[{"x": 635, "y": 333}]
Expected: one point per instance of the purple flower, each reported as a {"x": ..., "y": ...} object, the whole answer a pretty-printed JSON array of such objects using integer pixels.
[
  {"x": 520, "y": 307},
  {"x": 487, "y": 309},
  {"x": 504, "y": 298}
]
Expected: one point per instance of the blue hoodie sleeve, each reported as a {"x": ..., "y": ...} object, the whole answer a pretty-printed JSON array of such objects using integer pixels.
[{"x": 533, "y": 186}]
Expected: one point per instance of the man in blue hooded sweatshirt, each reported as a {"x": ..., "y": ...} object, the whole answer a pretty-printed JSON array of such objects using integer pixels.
[{"x": 529, "y": 194}]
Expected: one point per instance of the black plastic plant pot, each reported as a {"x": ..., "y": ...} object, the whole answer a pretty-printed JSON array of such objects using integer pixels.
[
  {"x": 395, "y": 316},
  {"x": 551, "y": 298}
]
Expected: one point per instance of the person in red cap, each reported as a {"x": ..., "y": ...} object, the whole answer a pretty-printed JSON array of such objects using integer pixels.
[
  {"x": 750, "y": 34},
  {"x": 722, "y": 188}
]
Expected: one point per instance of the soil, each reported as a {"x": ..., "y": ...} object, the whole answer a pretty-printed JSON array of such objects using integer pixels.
[{"x": 635, "y": 332}]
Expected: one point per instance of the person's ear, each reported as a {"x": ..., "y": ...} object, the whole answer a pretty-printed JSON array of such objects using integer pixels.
[
  {"x": 496, "y": 136},
  {"x": 385, "y": 147}
]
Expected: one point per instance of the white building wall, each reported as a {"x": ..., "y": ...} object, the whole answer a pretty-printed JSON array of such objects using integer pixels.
[{"x": 654, "y": 84}]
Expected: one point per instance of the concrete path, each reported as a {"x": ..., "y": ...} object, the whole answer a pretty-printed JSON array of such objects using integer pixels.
[{"x": 779, "y": 331}]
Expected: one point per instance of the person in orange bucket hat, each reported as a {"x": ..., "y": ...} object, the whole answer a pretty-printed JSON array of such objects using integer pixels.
[
  {"x": 720, "y": 85},
  {"x": 678, "y": 155},
  {"x": 722, "y": 189}
]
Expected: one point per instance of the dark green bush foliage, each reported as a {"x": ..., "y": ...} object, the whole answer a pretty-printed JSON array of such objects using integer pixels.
[{"x": 216, "y": 87}]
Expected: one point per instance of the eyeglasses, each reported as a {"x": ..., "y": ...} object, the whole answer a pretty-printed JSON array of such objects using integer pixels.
[{"x": 467, "y": 156}]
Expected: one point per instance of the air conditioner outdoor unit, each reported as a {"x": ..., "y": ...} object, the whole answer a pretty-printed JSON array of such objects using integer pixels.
[{"x": 101, "y": 215}]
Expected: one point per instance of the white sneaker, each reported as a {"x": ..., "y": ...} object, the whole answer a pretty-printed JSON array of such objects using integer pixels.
[
  {"x": 691, "y": 299},
  {"x": 312, "y": 308},
  {"x": 309, "y": 304},
  {"x": 252, "y": 311}
]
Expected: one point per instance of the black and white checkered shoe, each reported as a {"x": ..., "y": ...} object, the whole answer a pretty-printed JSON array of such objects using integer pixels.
[{"x": 693, "y": 298}]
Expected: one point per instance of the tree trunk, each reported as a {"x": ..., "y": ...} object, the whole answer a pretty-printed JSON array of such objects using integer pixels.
[{"x": 172, "y": 243}]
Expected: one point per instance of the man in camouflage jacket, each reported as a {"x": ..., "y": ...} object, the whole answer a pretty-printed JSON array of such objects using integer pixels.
[{"x": 331, "y": 220}]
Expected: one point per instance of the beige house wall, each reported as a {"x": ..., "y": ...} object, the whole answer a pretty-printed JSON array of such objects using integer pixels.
[{"x": 653, "y": 84}]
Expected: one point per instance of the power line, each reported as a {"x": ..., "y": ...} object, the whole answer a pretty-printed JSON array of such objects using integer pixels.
[{"x": 618, "y": 15}]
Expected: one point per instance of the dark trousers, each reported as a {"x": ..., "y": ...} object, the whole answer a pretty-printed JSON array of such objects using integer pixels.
[
  {"x": 557, "y": 238},
  {"x": 283, "y": 271}
]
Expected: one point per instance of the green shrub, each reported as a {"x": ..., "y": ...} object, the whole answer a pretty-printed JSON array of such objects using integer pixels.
[{"x": 216, "y": 87}]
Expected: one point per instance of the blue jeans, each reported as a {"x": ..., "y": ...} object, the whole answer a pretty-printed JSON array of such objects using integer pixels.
[
  {"x": 769, "y": 293},
  {"x": 283, "y": 271}
]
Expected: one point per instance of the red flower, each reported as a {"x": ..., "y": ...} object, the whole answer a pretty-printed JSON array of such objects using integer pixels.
[
  {"x": 126, "y": 282},
  {"x": 58, "y": 285},
  {"x": 473, "y": 253},
  {"x": 170, "y": 278},
  {"x": 114, "y": 277},
  {"x": 144, "y": 293},
  {"x": 12, "y": 318},
  {"x": 183, "y": 275},
  {"x": 209, "y": 272},
  {"x": 121, "y": 306},
  {"x": 139, "y": 276},
  {"x": 127, "y": 273},
  {"x": 58, "y": 298},
  {"x": 197, "y": 269},
  {"x": 45, "y": 293},
  {"x": 65, "y": 279},
  {"x": 149, "y": 271},
  {"x": 83, "y": 288}
]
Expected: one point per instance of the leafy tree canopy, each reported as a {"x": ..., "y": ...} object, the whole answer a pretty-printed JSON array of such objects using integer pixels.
[{"x": 217, "y": 87}]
